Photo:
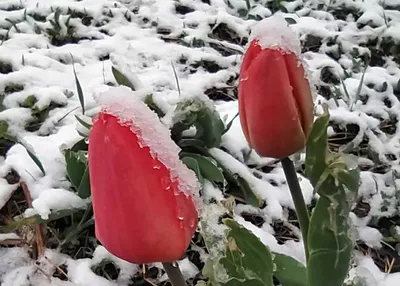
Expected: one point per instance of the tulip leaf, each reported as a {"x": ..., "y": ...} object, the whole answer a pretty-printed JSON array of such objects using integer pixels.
[
  {"x": 194, "y": 112},
  {"x": 289, "y": 271},
  {"x": 121, "y": 79},
  {"x": 335, "y": 178},
  {"x": 247, "y": 261},
  {"x": 329, "y": 243},
  {"x": 317, "y": 148},
  {"x": 192, "y": 164},
  {"x": 208, "y": 169},
  {"x": 78, "y": 172}
]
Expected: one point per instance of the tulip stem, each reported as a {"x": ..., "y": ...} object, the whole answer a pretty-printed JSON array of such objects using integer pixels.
[
  {"x": 174, "y": 274},
  {"x": 298, "y": 200}
]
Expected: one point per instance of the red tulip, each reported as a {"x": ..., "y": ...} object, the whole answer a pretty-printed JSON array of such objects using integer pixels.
[
  {"x": 275, "y": 102},
  {"x": 142, "y": 213}
]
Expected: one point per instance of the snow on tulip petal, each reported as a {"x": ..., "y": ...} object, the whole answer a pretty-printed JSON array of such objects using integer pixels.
[
  {"x": 274, "y": 33},
  {"x": 127, "y": 106},
  {"x": 275, "y": 100},
  {"x": 141, "y": 216}
]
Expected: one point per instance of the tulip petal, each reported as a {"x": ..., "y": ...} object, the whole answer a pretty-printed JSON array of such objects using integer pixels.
[
  {"x": 140, "y": 214},
  {"x": 265, "y": 93},
  {"x": 301, "y": 91},
  {"x": 252, "y": 52}
]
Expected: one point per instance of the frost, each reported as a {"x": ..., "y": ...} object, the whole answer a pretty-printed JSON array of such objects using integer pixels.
[
  {"x": 127, "y": 106},
  {"x": 274, "y": 33}
]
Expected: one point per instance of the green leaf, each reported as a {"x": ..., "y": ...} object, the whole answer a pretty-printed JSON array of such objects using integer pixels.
[
  {"x": 84, "y": 187},
  {"x": 208, "y": 169},
  {"x": 83, "y": 122},
  {"x": 121, "y": 79},
  {"x": 289, "y": 271},
  {"x": 34, "y": 158},
  {"x": 79, "y": 88},
  {"x": 153, "y": 106},
  {"x": 317, "y": 148},
  {"x": 335, "y": 178},
  {"x": 81, "y": 145},
  {"x": 329, "y": 244},
  {"x": 195, "y": 112},
  {"x": 78, "y": 172},
  {"x": 247, "y": 260},
  {"x": 3, "y": 128},
  {"x": 192, "y": 164},
  {"x": 229, "y": 125}
]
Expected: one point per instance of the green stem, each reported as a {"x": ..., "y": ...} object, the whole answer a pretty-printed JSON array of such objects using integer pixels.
[
  {"x": 174, "y": 274},
  {"x": 298, "y": 199}
]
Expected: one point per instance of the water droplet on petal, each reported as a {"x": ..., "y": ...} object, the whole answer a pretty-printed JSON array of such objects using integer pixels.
[{"x": 180, "y": 218}]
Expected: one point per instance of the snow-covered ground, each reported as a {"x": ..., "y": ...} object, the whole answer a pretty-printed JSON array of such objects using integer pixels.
[{"x": 203, "y": 40}]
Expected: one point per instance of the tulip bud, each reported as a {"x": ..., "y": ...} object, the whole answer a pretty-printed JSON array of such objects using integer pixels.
[
  {"x": 143, "y": 195},
  {"x": 275, "y": 101}
]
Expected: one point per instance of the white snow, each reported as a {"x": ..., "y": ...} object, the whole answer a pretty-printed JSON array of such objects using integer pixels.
[{"x": 274, "y": 33}]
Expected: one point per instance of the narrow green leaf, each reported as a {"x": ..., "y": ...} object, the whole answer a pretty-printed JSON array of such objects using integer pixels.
[
  {"x": 358, "y": 92},
  {"x": 247, "y": 260},
  {"x": 79, "y": 88},
  {"x": 208, "y": 169},
  {"x": 84, "y": 187},
  {"x": 229, "y": 125},
  {"x": 176, "y": 79},
  {"x": 289, "y": 271},
  {"x": 121, "y": 79},
  {"x": 153, "y": 106},
  {"x": 83, "y": 122},
  {"x": 34, "y": 158}
]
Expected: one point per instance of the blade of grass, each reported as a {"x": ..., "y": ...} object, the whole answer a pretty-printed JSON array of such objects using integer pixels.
[
  {"x": 78, "y": 88},
  {"x": 358, "y": 92},
  {"x": 176, "y": 79},
  {"x": 35, "y": 159}
]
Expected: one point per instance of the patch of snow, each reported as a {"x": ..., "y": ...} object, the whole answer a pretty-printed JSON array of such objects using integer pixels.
[{"x": 274, "y": 33}]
